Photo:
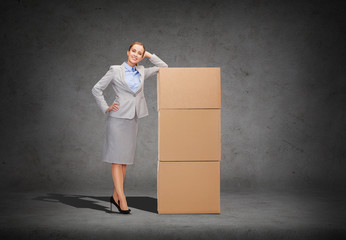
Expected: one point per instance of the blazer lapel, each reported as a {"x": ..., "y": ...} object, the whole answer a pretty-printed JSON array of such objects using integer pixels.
[
  {"x": 141, "y": 78},
  {"x": 123, "y": 78}
]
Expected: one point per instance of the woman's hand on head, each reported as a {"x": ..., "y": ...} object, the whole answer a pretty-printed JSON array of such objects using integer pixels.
[
  {"x": 114, "y": 107},
  {"x": 147, "y": 54}
]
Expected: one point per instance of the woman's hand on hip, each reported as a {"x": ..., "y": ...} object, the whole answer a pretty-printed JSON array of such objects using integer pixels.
[{"x": 114, "y": 107}]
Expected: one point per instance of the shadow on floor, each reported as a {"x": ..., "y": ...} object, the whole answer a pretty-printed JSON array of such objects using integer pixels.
[{"x": 148, "y": 204}]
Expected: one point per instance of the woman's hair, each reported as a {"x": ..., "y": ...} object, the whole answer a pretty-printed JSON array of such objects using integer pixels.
[{"x": 138, "y": 43}]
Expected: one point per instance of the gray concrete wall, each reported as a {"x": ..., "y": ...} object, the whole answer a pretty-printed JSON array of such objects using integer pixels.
[{"x": 283, "y": 88}]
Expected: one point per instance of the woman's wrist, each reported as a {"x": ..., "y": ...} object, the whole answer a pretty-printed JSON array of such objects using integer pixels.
[{"x": 147, "y": 54}]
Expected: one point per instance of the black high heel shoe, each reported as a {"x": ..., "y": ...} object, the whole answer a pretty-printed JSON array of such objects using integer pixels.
[
  {"x": 119, "y": 205},
  {"x": 111, "y": 200}
]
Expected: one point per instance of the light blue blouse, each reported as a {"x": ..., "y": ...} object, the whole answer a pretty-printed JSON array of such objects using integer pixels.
[{"x": 132, "y": 77}]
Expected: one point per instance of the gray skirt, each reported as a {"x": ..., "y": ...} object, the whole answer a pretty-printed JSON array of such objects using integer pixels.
[{"x": 120, "y": 140}]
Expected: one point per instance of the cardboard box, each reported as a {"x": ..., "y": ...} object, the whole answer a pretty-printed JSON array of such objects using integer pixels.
[
  {"x": 188, "y": 187},
  {"x": 189, "y": 135},
  {"x": 188, "y": 88}
]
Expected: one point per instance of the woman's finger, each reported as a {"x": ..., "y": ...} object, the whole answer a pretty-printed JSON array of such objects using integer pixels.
[{"x": 114, "y": 107}]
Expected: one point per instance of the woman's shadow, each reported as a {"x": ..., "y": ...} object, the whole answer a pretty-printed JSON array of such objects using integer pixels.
[{"x": 148, "y": 204}]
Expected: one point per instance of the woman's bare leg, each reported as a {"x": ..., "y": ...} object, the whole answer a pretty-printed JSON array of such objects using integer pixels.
[
  {"x": 118, "y": 178},
  {"x": 115, "y": 195},
  {"x": 124, "y": 170}
]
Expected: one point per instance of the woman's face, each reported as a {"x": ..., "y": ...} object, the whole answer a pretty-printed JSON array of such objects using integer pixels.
[{"x": 135, "y": 55}]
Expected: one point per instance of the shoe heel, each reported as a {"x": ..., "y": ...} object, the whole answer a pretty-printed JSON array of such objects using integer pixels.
[{"x": 110, "y": 206}]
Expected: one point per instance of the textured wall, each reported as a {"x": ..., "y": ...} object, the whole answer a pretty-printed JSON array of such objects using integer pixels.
[{"x": 283, "y": 88}]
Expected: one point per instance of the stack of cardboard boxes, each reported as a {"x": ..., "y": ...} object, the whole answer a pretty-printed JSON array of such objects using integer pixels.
[{"x": 189, "y": 128}]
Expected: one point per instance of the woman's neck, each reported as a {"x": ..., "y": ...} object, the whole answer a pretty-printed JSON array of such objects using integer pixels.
[{"x": 130, "y": 64}]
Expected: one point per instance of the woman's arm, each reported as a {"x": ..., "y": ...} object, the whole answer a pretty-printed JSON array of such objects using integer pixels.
[
  {"x": 148, "y": 72},
  {"x": 147, "y": 54},
  {"x": 99, "y": 87}
]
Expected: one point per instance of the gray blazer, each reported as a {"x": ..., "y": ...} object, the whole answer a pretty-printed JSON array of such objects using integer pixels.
[{"x": 129, "y": 101}]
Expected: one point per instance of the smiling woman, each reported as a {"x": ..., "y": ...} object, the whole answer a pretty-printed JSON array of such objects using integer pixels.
[
  {"x": 135, "y": 53},
  {"x": 127, "y": 81}
]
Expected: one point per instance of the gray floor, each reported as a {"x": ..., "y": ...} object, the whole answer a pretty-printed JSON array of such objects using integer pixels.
[{"x": 244, "y": 215}]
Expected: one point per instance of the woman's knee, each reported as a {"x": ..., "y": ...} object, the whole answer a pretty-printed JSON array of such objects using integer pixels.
[{"x": 117, "y": 165}]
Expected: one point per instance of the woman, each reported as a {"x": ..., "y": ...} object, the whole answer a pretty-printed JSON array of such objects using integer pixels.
[{"x": 122, "y": 121}]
